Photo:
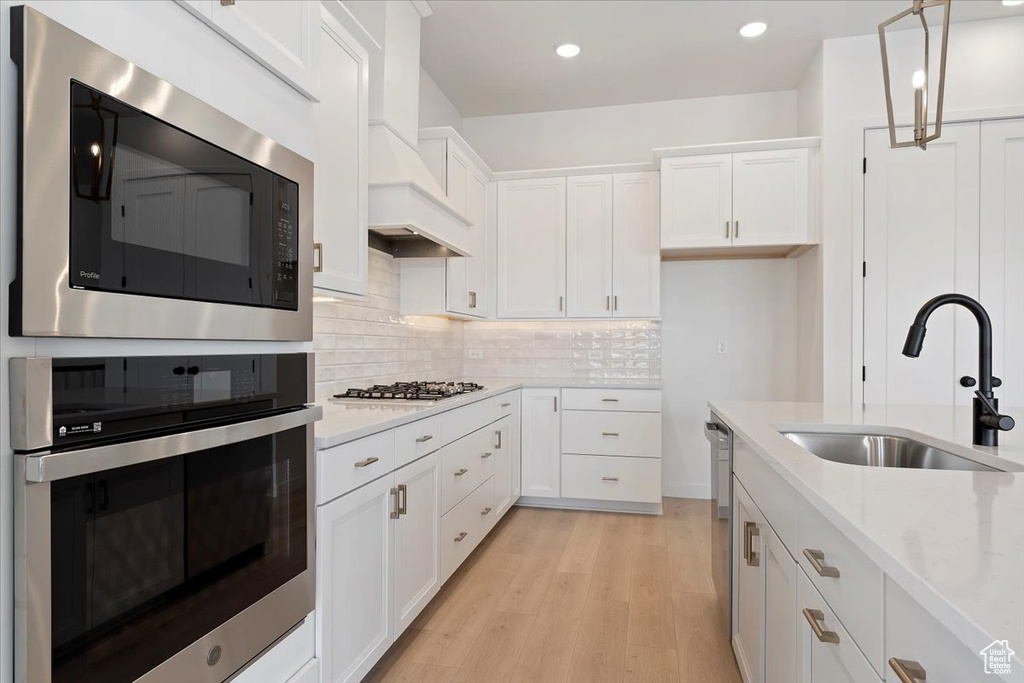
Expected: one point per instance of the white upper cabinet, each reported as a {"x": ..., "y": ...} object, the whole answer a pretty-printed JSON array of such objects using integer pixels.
[
  {"x": 589, "y": 248},
  {"x": 531, "y": 248},
  {"x": 636, "y": 269},
  {"x": 458, "y": 173},
  {"x": 282, "y": 35},
  {"x": 696, "y": 201},
  {"x": 340, "y": 173},
  {"x": 770, "y": 197}
]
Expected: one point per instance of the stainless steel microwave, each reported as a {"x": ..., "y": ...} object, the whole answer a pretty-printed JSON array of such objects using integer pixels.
[{"x": 145, "y": 212}]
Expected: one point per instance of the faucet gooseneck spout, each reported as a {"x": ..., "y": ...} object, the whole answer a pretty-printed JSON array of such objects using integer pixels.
[{"x": 987, "y": 420}]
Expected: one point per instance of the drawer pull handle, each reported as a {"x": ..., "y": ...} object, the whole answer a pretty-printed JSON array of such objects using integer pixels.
[
  {"x": 506, "y": 405},
  {"x": 368, "y": 461},
  {"x": 497, "y": 438},
  {"x": 403, "y": 500},
  {"x": 425, "y": 438},
  {"x": 486, "y": 511},
  {"x": 486, "y": 455},
  {"x": 609, "y": 478},
  {"x": 461, "y": 536},
  {"x": 609, "y": 433},
  {"x": 460, "y": 472},
  {"x": 395, "y": 509},
  {"x": 610, "y": 400},
  {"x": 814, "y": 617},
  {"x": 750, "y": 530},
  {"x": 817, "y": 560},
  {"x": 907, "y": 670}
]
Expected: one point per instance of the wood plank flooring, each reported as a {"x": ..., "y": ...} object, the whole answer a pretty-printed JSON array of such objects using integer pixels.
[{"x": 559, "y": 596}]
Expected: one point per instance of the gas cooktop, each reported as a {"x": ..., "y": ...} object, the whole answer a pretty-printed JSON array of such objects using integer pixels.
[{"x": 411, "y": 391}]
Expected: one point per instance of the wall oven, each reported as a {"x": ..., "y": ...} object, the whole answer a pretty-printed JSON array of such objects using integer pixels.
[
  {"x": 145, "y": 212},
  {"x": 164, "y": 513}
]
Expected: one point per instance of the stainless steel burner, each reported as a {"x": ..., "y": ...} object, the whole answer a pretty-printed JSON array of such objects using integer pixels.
[{"x": 411, "y": 391}]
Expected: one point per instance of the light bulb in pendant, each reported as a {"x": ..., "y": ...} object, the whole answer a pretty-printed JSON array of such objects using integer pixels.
[{"x": 918, "y": 79}]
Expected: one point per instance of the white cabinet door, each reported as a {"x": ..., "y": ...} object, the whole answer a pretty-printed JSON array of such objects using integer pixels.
[
  {"x": 541, "y": 440},
  {"x": 281, "y": 35},
  {"x": 417, "y": 572},
  {"x": 921, "y": 235},
  {"x": 531, "y": 248},
  {"x": 696, "y": 201},
  {"x": 354, "y": 592},
  {"x": 502, "y": 430},
  {"x": 770, "y": 197},
  {"x": 1002, "y": 250},
  {"x": 457, "y": 174},
  {"x": 467, "y": 277},
  {"x": 516, "y": 449},
  {"x": 589, "y": 247},
  {"x": 780, "y": 611},
  {"x": 340, "y": 178},
  {"x": 748, "y": 585},
  {"x": 636, "y": 289}
]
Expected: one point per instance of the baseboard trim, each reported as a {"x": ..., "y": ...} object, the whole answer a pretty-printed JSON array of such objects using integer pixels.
[{"x": 595, "y": 505}]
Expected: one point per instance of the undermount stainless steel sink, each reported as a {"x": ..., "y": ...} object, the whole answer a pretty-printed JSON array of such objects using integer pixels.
[{"x": 880, "y": 450}]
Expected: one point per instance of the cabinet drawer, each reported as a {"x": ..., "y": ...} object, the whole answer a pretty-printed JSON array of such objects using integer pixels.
[
  {"x": 465, "y": 464},
  {"x": 597, "y": 432},
  {"x": 462, "y": 421},
  {"x": 606, "y": 477},
  {"x": 417, "y": 439},
  {"x": 914, "y": 635},
  {"x": 637, "y": 400},
  {"x": 350, "y": 465},
  {"x": 464, "y": 526},
  {"x": 777, "y": 500},
  {"x": 824, "y": 660},
  {"x": 855, "y": 595}
]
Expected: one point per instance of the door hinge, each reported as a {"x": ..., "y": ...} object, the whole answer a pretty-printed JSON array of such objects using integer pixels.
[
  {"x": 864, "y": 269},
  {"x": 863, "y": 373},
  {"x": 865, "y": 165}
]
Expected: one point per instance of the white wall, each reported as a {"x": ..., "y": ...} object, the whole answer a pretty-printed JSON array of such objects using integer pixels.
[
  {"x": 809, "y": 97},
  {"x": 985, "y": 71},
  {"x": 165, "y": 39},
  {"x": 627, "y": 133},
  {"x": 752, "y": 305},
  {"x": 435, "y": 107}
]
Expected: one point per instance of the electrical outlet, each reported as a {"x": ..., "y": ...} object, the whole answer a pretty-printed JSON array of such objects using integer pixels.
[
  {"x": 723, "y": 347},
  {"x": 595, "y": 354},
  {"x": 474, "y": 354}
]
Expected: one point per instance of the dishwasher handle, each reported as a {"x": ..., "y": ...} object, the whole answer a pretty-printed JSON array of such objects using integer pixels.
[{"x": 716, "y": 434}]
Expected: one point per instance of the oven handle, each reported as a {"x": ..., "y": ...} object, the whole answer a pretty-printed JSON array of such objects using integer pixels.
[{"x": 53, "y": 466}]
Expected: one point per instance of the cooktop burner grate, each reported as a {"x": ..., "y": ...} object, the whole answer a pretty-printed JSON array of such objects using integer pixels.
[{"x": 411, "y": 391}]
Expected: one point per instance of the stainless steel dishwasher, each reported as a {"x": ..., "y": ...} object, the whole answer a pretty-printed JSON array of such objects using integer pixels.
[{"x": 720, "y": 437}]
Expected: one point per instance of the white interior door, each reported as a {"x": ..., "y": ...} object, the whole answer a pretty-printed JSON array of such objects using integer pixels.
[
  {"x": 1002, "y": 251},
  {"x": 588, "y": 221},
  {"x": 636, "y": 257},
  {"x": 769, "y": 197},
  {"x": 921, "y": 239}
]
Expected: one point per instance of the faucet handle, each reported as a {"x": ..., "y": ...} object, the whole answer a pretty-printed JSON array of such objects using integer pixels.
[
  {"x": 993, "y": 419},
  {"x": 967, "y": 381}
]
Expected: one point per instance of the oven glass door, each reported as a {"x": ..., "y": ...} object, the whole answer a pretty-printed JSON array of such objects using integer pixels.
[
  {"x": 147, "y": 559},
  {"x": 157, "y": 211}
]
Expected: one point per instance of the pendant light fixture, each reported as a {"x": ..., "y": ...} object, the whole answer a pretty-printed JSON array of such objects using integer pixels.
[{"x": 920, "y": 81}]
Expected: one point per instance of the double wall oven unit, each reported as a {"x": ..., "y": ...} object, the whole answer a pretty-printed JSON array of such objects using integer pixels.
[
  {"x": 165, "y": 513},
  {"x": 146, "y": 213}
]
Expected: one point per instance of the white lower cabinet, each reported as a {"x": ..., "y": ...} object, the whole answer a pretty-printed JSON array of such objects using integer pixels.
[
  {"x": 417, "y": 568},
  {"x": 827, "y": 653},
  {"x": 748, "y": 586},
  {"x": 541, "y": 443},
  {"x": 606, "y": 477},
  {"x": 503, "y": 464},
  {"x": 780, "y": 611}
]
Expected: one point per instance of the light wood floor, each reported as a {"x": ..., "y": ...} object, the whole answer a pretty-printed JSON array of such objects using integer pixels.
[{"x": 558, "y": 595}]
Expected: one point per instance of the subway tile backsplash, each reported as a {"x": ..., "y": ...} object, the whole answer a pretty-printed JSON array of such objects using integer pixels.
[{"x": 358, "y": 343}]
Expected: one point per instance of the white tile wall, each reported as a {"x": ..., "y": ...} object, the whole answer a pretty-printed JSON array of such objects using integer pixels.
[{"x": 359, "y": 343}]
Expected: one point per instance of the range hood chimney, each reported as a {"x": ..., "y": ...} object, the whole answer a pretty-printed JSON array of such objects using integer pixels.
[{"x": 409, "y": 214}]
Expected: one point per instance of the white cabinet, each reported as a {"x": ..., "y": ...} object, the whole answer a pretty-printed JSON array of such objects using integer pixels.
[
  {"x": 355, "y": 555},
  {"x": 760, "y": 199},
  {"x": 748, "y": 615},
  {"x": 281, "y": 35},
  {"x": 531, "y": 248},
  {"x": 417, "y": 567},
  {"x": 636, "y": 260},
  {"x": 541, "y": 457},
  {"x": 589, "y": 246},
  {"x": 780, "y": 611},
  {"x": 503, "y": 463},
  {"x": 340, "y": 177}
]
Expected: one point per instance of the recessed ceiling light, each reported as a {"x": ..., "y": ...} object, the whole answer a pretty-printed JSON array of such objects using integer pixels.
[
  {"x": 1013, "y": 3},
  {"x": 753, "y": 29},
  {"x": 567, "y": 50}
]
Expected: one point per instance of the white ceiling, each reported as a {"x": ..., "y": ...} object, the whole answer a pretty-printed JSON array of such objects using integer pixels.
[{"x": 497, "y": 56}]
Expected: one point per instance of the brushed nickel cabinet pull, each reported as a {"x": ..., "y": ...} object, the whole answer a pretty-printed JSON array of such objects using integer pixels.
[
  {"x": 227, "y": 3},
  {"x": 727, "y": 228},
  {"x": 608, "y": 303},
  {"x": 403, "y": 500},
  {"x": 736, "y": 229},
  {"x": 460, "y": 472},
  {"x": 472, "y": 299},
  {"x": 814, "y": 617},
  {"x": 425, "y": 438},
  {"x": 750, "y": 530},
  {"x": 486, "y": 455},
  {"x": 556, "y": 403},
  {"x": 462, "y": 535},
  {"x": 817, "y": 560},
  {"x": 610, "y": 400},
  {"x": 485, "y": 511},
  {"x": 561, "y": 303},
  {"x": 318, "y": 247},
  {"x": 368, "y": 461},
  {"x": 497, "y": 438},
  {"x": 506, "y": 405},
  {"x": 609, "y": 433},
  {"x": 394, "y": 503},
  {"x": 907, "y": 670},
  {"x": 609, "y": 478},
  {"x": 615, "y": 302}
]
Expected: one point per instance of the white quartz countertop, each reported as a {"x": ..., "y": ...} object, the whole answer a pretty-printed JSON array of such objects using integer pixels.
[
  {"x": 954, "y": 540},
  {"x": 348, "y": 420}
]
